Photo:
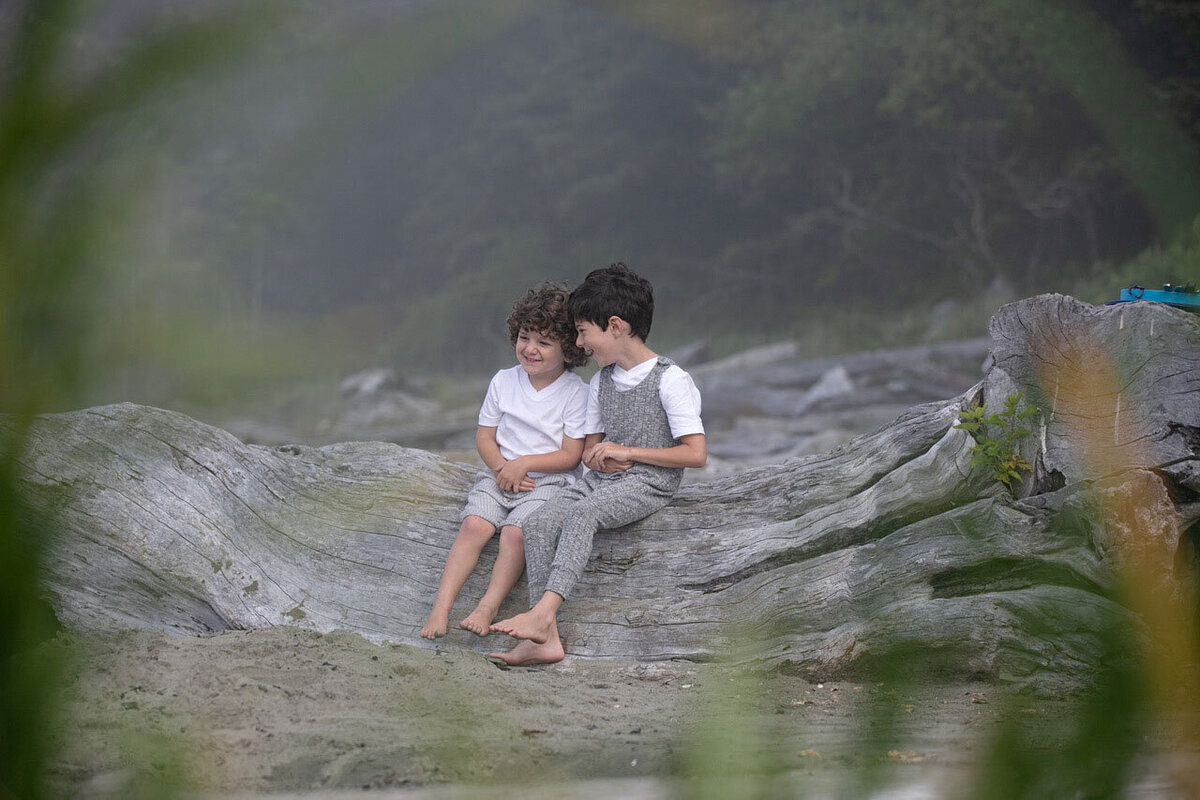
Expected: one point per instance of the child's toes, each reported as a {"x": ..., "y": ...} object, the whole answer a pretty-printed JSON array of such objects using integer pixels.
[{"x": 476, "y": 623}]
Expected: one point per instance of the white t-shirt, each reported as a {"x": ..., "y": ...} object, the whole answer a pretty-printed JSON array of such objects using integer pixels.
[
  {"x": 529, "y": 422},
  {"x": 676, "y": 390}
]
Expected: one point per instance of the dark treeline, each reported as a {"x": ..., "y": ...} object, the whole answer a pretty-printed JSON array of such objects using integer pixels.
[{"x": 406, "y": 168}]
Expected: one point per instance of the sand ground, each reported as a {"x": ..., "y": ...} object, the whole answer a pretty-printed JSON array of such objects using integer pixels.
[{"x": 286, "y": 712}]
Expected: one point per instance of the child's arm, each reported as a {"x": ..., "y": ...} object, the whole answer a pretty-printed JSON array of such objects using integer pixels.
[
  {"x": 515, "y": 473},
  {"x": 692, "y": 451},
  {"x": 589, "y": 452},
  {"x": 493, "y": 459},
  {"x": 488, "y": 448}
]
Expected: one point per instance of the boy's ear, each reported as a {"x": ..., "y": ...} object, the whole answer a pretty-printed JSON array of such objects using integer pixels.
[{"x": 618, "y": 325}]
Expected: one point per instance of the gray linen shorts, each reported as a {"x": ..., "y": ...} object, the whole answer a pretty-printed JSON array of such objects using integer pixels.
[{"x": 489, "y": 501}]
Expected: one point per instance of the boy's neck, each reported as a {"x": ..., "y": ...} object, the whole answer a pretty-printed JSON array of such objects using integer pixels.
[{"x": 634, "y": 351}]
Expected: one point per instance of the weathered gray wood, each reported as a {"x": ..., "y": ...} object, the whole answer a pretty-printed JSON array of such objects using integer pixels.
[
  {"x": 1149, "y": 415},
  {"x": 818, "y": 563}
]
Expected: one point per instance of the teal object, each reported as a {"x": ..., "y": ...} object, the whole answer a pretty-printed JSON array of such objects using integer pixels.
[{"x": 1185, "y": 297}]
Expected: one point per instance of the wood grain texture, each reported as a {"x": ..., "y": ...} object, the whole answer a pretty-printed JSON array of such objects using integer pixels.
[{"x": 817, "y": 564}]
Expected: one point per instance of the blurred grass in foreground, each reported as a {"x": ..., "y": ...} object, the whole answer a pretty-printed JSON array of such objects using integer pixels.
[
  {"x": 56, "y": 221},
  {"x": 1135, "y": 718},
  {"x": 1143, "y": 536},
  {"x": 1088, "y": 743},
  {"x": 58, "y": 218}
]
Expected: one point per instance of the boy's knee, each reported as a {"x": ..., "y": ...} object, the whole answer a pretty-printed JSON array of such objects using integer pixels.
[
  {"x": 476, "y": 528},
  {"x": 585, "y": 515},
  {"x": 512, "y": 535}
]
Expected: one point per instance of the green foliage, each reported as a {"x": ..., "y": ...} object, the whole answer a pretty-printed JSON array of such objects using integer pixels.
[
  {"x": 996, "y": 436},
  {"x": 1155, "y": 153},
  {"x": 1085, "y": 743},
  {"x": 1093, "y": 749},
  {"x": 757, "y": 160},
  {"x": 52, "y": 228},
  {"x": 1176, "y": 263},
  {"x": 923, "y": 140},
  {"x": 59, "y": 216}
]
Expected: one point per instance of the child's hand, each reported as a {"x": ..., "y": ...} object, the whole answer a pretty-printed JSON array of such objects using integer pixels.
[
  {"x": 512, "y": 477},
  {"x": 609, "y": 457}
]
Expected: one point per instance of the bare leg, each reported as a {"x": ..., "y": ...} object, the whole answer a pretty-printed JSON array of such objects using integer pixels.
[
  {"x": 539, "y": 624},
  {"x": 510, "y": 562},
  {"x": 473, "y": 534},
  {"x": 530, "y": 652}
]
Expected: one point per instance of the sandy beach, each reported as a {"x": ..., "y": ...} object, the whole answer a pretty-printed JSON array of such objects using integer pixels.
[{"x": 293, "y": 713}]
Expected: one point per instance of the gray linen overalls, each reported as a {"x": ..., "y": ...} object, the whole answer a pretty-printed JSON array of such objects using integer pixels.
[{"x": 558, "y": 537}]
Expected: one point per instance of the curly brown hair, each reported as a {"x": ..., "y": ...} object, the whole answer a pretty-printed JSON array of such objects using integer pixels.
[{"x": 543, "y": 310}]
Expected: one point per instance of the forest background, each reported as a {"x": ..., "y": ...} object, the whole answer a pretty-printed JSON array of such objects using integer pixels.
[
  {"x": 212, "y": 204},
  {"x": 369, "y": 183}
]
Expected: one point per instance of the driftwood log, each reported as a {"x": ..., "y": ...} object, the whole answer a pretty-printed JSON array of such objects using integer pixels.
[{"x": 816, "y": 564}]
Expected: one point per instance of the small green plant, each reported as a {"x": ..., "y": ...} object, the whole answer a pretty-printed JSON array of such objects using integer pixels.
[{"x": 996, "y": 436}]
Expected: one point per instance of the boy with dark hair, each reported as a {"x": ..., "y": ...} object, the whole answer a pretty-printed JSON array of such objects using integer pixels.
[
  {"x": 530, "y": 437},
  {"x": 643, "y": 428}
]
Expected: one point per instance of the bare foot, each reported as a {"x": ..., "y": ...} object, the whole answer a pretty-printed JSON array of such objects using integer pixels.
[
  {"x": 436, "y": 625},
  {"x": 531, "y": 625},
  {"x": 527, "y": 654},
  {"x": 478, "y": 620}
]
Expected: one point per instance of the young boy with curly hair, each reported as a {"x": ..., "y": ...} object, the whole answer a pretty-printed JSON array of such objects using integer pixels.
[
  {"x": 643, "y": 428},
  {"x": 530, "y": 437}
]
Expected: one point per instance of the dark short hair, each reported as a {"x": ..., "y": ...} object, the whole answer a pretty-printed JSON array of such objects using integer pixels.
[
  {"x": 543, "y": 310},
  {"x": 614, "y": 291}
]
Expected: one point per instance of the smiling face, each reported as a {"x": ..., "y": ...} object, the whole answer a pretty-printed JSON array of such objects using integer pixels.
[
  {"x": 595, "y": 341},
  {"x": 541, "y": 356}
]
